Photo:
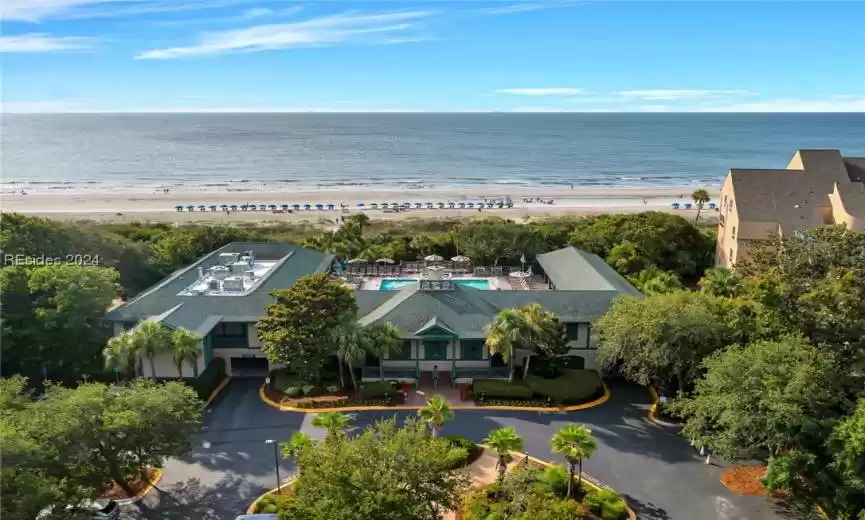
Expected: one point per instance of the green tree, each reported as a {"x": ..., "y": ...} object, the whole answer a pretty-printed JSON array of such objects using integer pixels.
[
  {"x": 656, "y": 281},
  {"x": 148, "y": 340},
  {"x": 423, "y": 244},
  {"x": 185, "y": 348},
  {"x": 701, "y": 198},
  {"x": 335, "y": 423},
  {"x": 119, "y": 355},
  {"x": 757, "y": 401},
  {"x": 351, "y": 340},
  {"x": 97, "y": 434},
  {"x": 53, "y": 319},
  {"x": 719, "y": 281},
  {"x": 436, "y": 413},
  {"x": 386, "y": 473},
  {"x": 576, "y": 443},
  {"x": 663, "y": 338},
  {"x": 297, "y": 329},
  {"x": 627, "y": 259},
  {"x": 503, "y": 441},
  {"x": 506, "y": 334},
  {"x": 298, "y": 442},
  {"x": 382, "y": 340}
]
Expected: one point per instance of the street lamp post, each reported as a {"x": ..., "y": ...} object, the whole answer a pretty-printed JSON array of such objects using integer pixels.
[{"x": 275, "y": 461}]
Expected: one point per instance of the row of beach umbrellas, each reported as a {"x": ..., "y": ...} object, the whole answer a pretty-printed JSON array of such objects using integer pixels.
[
  {"x": 688, "y": 205},
  {"x": 460, "y": 259},
  {"x": 331, "y": 207}
]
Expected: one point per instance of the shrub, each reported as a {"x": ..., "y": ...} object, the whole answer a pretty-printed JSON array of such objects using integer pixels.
[
  {"x": 571, "y": 387},
  {"x": 306, "y": 403},
  {"x": 292, "y": 391},
  {"x": 458, "y": 441},
  {"x": 606, "y": 503},
  {"x": 496, "y": 388},
  {"x": 210, "y": 378},
  {"x": 308, "y": 390},
  {"x": 376, "y": 390},
  {"x": 332, "y": 388},
  {"x": 269, "y": 508},
  {"x": 457, "y": 457},
  {"x": 556, "y": 479}
]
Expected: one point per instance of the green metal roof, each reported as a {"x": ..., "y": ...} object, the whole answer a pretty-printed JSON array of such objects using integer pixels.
[
  {"x": 572, "y": 269},
  {"x": 195, "y": 311}
]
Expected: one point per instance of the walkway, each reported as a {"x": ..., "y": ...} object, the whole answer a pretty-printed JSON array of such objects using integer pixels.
[{"x": 661, "y": 476}]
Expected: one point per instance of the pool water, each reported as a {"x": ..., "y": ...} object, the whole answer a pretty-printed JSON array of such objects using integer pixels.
[{"x": 393, "y": 284}]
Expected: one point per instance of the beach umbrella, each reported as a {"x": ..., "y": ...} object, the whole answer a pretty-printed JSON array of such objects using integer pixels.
[
  {"x": 462, "y": 204},
  {"x": 687, "y": 205},
  {"x": 319, "y": 206},
  {"x": 233, "y": 207},
  {"x": 244, "y": 207},
  {"x": 374, "y": 205},
  {"x": 360, "y": 204},
  {"x": 451, "y": 205},
  {"x": 357, "y": 261},
  {"x": 510, "y": 204},
  {"x": 500, "y": 204},
  {"x": 213, "y": 207},
  {"x": 429, "y": 205},
  {"x": 202, "y": 207},
  {"x": 283, "y": 207},
  {"x": 253, "y": 207},
  {"x": 178, "y": 207},
  {"x": 223, "y": 207},
  {"x": 711, "y": 205},
  {"x": 433, "y": 258},
  {"x": 418, "y": 205},
  {"x": 490, "y": 204},
  {"x": 441, "y": 205},
  {"x": 406, "y": 204},
  {"x": 385, "y": 261},
  {"x": 272, "y": 207},
  {"x": 190, "y": 208},
  {"x": 262, "y": 207},
  {"x": 470, "y": 204},
  {"x": 307, "y": 207},
  {"x": 295, "y": 207},
  {"x": 460, "y": 259},
  {"x": 330, "y": 206}
]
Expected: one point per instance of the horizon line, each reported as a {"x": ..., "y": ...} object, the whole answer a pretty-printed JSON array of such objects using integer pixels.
[{"x": 512, "y": 112}]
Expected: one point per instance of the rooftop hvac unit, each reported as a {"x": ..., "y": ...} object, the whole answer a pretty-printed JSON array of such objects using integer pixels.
[
  {"x": 249, "y": 274},
  {"x": 232, "y": 284},
  {"x": 228, "y": 258},
  {"x": 246, "y": 259},
  {"x": 219, "y": 271},
  {"x": 213, "y": 285},
  {"x": 239, "y": 267}
]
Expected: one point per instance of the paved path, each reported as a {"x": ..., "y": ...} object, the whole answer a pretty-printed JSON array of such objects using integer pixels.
[{"x": 658, "y": 472}]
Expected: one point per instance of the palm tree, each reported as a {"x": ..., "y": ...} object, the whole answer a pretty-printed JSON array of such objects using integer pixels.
[
  {"x": 503, "y": 441},
  {"x": 351, "y": 339},
  {"x": 576, "y": 443},
  {"x": 118, "y": 354},
  {"x": 543, "y": 331},
  {"x": 701, "y": 197},
  {"x": 150, "y": 339},
  {"x": 186, "y": 347},
  {"x": 382, "y": 341},
  {"x": 719, "y": 281},
  {"x": 334, "y": 422},
  {"x": 297, "y": 443},
  {"x": 436, "y": 412},
  {"x": 506, "y": 334}
]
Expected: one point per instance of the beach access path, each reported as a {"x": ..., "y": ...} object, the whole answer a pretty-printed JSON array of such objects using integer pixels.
[{"x": 657, "y": 471}]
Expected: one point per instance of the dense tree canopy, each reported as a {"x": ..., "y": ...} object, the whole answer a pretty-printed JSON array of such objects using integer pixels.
[
  {"x": 52, "y": 319},
  {"x": 297, "y": 329},
  {"x": 386, "y": 473},
  {"x": 75, "y": 441},
  {"x": 663, "y": 338}
]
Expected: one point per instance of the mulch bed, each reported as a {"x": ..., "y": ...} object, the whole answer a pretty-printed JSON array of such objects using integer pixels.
[
  {"x": 279, "y": 397},
  {"x": 745, "y": 480},
  {"x": 115, "y": 492}
]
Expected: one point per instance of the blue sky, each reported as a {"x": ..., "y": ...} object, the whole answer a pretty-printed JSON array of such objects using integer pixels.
[{"x": 543, "y": 55}]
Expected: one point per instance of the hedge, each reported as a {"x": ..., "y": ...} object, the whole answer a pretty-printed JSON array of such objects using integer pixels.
[
  {"x": 376, "y": 390},
  {"x": 497, "y": 388},
  {"x": 571, "y": 387},
  {"x": 210, "y": 378}
]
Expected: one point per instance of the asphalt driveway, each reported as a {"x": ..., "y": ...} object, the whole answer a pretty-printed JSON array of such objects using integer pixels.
[{"x": 659, "y": 473}]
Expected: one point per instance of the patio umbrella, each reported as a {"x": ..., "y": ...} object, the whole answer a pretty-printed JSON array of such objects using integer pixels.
[
  {"x": 418, "y": 205},
  {"x": 244, "y": 207},
  {"x": 178, "y": 207},
  {"x": 307, "y": 207},
  {"x": 190, "y": 208},
  {"x": 202, "y": 207},
  {"x": 357, "y": 261},
  {"x": 262, "y": 207},
  {"x": 441, "y": 205},
  {"x": 272, "y": 207},
  {"x": 224, "y": 207},
  {"x": 374, "y": 205},
  {"x": 284, "y": 207},
  {"x": 330, "y": 206},
  {"x": 233, "y": 207},
  {"x": 460, "y": 259},
  {"x": 385, "y": 261},
  {"x": 429, "y": 205},
  {"x": 433, "y": 258},
  {"x": 295, "y": 206},
  {"x": 520, "y": 274},
  {"x": 319, "y": 206}
]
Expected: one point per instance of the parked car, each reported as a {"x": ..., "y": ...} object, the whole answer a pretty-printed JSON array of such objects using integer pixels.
[{"x": 99, "y": 509}]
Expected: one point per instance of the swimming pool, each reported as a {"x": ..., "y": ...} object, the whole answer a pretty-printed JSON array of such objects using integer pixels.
[{"x": 393, "y": 284}]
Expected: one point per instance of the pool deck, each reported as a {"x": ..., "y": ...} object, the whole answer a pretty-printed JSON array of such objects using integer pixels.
[{"x": 503, "y": 283}]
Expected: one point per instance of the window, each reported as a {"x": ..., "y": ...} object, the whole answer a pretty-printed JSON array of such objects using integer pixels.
[
  {"x": 472, "y": 349},
  {"x": 435, "y": 350},
  {"x": 732, "y": 259},
  {"x": 572, "y": 331},
  {"x": 734, "y": 232},
  {"x": 230, "y": 330},
  {"x": 404, "y": 353}
]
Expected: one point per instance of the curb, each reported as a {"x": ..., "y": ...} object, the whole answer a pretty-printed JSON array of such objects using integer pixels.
[
  {"x": 653, "y": 410},
  {"x": 222, "y": 384},
  {"x": 587, "y": 479},
  {"x": 252, "y": 507},
  {"x": 155, "y": 480},
  {"x": 591, "y": 404}
]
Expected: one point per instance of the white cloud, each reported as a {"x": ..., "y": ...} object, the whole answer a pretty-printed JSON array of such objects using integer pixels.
[
  {"x": 38, "y": 10},
  {"x": 681, "y": 94},
  {"x": 841, "y": 103},
  {"x": 37, "y": 42},
  {"x": 333, "y": 29},
  {"x": 541, "y": 91},
  {"x": 527, "y": 7}
]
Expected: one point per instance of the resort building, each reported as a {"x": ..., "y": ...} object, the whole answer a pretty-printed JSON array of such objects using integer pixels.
[
  {"x": 817, "y": 188},
  {"x": 440, "y": 308}
]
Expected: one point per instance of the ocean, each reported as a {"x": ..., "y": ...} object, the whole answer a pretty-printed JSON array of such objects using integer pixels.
[{"x": 252, "y": 152}]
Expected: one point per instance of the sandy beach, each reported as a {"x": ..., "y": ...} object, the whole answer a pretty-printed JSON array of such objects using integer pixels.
[{"x": 159, "y": 206}]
